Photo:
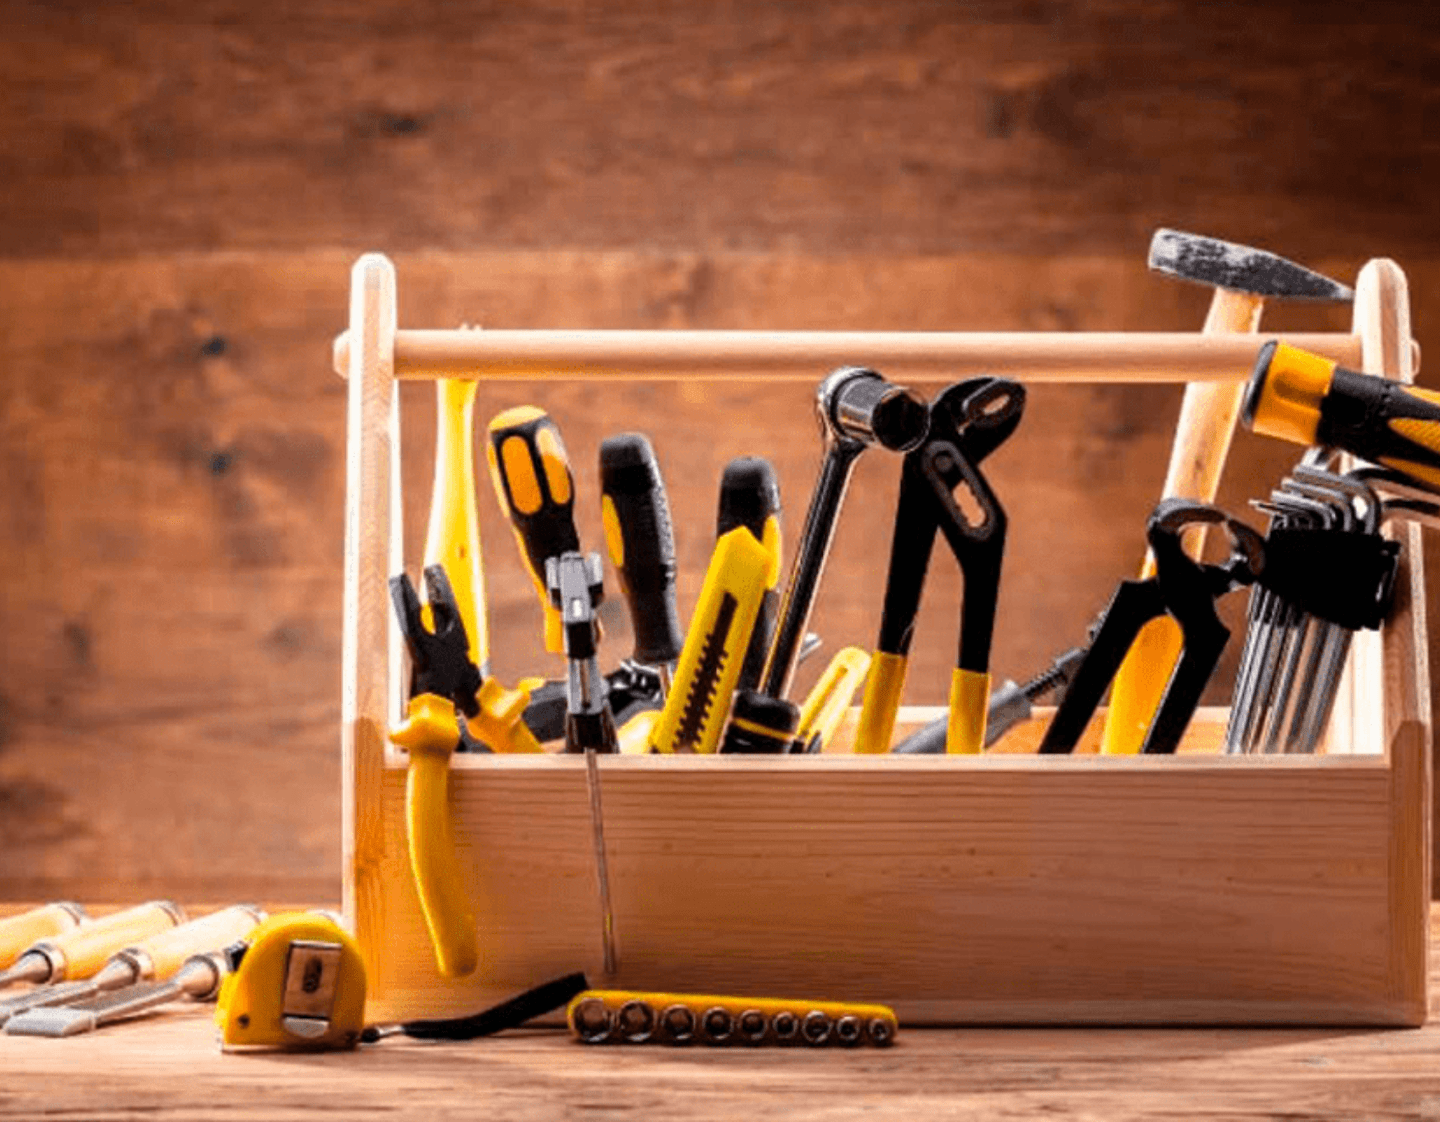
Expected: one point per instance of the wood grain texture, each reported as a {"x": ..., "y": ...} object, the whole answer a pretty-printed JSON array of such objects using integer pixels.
[
  {"x": 167, "y": 1066},
  {"x": 172, "y": 439},
  {"x": 1033, "y": 126}
]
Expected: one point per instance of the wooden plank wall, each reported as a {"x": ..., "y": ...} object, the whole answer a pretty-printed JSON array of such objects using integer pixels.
[{"x": 183, "y": 187}]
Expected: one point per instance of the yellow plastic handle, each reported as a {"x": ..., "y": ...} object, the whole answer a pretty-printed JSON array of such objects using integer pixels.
[
  {"x": 28, "y": 928},
  {"x": 453, "y": 536},
  {"x": 884, "y": 687},
  {"x": 164, "y": 953},
  {"x": 969, "y": 712},
  {"x": 85, "y": 949},
  {"x": 829, "y": 700},
  {"x": 430, "y": 733}
]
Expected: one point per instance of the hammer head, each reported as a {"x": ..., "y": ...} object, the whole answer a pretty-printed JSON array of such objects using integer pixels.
[{"x": 1240, "y": 268}]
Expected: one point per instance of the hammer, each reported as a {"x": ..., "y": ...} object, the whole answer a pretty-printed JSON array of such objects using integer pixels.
[{"x": 1243, "y": 277}]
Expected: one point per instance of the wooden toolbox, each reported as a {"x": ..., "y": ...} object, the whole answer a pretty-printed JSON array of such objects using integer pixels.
[{"x": 1005, "y": 888}]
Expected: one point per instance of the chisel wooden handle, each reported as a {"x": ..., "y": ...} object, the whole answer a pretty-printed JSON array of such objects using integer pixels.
[
  {"x": 165, "y": 952},
  {"x": 18, "y": 933},
  {"x": 536, "y": 488},
  {"x": 83, "y": 950}
]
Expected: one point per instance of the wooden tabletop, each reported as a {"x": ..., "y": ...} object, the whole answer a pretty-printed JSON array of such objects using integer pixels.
[{"x": 169, "y": 1066}]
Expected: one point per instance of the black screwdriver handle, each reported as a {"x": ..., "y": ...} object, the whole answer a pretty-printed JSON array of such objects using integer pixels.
[{"x": 640, "y": 539}]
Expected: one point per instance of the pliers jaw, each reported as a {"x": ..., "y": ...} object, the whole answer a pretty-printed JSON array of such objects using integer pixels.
[
  {"x": 439, "y": 658},
  {"x": 1186, "y": 590}
]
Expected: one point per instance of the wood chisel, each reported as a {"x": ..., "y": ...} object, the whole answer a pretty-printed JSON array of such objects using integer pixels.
[
  {"x": 1243, "y": 278},
  {"x": 750, "y": 497},
  {"x": 829, "y": 700},
  {"x": 83, "y": 950},
  {"x": 19, "y": 932},
  {"x": 640, "y": 538},
  {"x": 154, "y": 959},
  {"x": 856, "y": 408},
  {"x": 714, "y": 651}
]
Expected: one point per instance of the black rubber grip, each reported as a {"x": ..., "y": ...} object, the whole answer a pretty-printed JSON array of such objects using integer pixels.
[
  {"x": 644, "y": 555},
  {"x": 508, "y": 1014}
]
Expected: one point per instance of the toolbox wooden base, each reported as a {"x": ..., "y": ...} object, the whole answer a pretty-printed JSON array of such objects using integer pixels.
[{"x": 1004, "y": 888}]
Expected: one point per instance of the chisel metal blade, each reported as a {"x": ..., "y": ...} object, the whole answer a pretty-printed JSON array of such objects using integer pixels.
[{"x": 72, "y": 1020}]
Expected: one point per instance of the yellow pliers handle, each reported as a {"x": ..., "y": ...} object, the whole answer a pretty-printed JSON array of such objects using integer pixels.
[{"x": 430, "y": 734}]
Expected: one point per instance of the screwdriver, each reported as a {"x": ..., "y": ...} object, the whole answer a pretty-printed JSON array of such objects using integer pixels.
[
  {"x": 750, "y": 497},
  {"x": 156, "y": 957},
  {"x": 536, "y": 490},
  {"x": 18, "y": 933},
  {"x": 83, "y": 950},
  {"x": 641, "y": 542},
  {"x": 1301, "y": 397}
]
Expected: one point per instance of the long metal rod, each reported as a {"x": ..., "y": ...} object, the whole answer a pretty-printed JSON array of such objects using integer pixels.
[{"x": 1075, "y": 356}]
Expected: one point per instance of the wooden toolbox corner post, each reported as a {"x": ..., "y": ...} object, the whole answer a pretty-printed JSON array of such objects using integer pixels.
[{"x": 1002, "y": 889}]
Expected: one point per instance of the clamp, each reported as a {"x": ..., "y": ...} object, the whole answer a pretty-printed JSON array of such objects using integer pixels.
[
  {"x": 968, "y": 421},
  {"x": 1182, "y": 588}
]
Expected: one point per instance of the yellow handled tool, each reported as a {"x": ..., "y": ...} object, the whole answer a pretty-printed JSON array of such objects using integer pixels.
[
  {"x": 156, "y": 957},
  {"x": 453, "y": 537},
  {"x": 443, "y": 687},
  {"x": 715, "y": 645},
  {"x": 536, "y": 489},
  {"x": 1242, "y": 278},
  {"x": 297, "y": 983},
  {"x": 83, "y": 950},
  {"x": 829, "y": 700},
  {"x": 19, "y": 932},
  {"x": 750, "y": 497},
  {"x": 641, "y": 1017},
  {"x": 1298, "y": 396}
]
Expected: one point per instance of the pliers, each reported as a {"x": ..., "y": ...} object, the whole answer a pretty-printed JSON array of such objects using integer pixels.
[
  {"x": 444, "y": 684},
  {"x": 968, "y": 421},
  {"x": 1186, "y": 590}
]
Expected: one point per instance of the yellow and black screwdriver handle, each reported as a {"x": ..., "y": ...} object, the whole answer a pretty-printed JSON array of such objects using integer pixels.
[
  {"x": 1301, "y": 397},
  {"x": 536, "y": 488},
  {"x": 443, "y": 688},
  {"x": 968, "y": 421}
]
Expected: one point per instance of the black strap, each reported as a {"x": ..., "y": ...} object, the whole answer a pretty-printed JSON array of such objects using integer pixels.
[{"x": 508, "y": 1014}]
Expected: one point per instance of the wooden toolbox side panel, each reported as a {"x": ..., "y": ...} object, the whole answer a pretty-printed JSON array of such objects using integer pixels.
[{"x": 1019, "y": 891}]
